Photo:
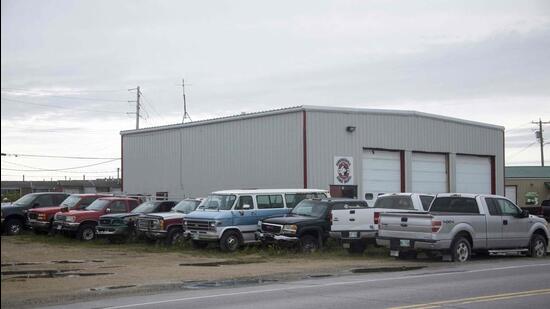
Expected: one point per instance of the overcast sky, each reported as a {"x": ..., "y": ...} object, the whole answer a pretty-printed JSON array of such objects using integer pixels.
[{"x": 67, "y": 67}]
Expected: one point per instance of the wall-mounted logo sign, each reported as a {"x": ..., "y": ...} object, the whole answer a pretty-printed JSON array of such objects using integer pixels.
[{"x": 343, "y": 170}]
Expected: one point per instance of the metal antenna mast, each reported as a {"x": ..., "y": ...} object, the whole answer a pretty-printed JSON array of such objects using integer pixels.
[
  {"x": 138, "y": 104},
  {"x": 185, "y": 114}
]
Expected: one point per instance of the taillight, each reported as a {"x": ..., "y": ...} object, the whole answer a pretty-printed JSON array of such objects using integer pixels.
[
  {"x": 376, "y": 217},
  {"x": 436, "y": 226}
]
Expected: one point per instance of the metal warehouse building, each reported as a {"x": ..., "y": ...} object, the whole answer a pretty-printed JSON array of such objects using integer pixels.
[{"x": 361, "y": 152}]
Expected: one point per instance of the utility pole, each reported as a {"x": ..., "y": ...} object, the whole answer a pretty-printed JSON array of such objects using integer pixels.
[
  {"x": 185, "y": 114},
  {"x": 540, "y": 136},
  {"x": 138, "y": 104}
]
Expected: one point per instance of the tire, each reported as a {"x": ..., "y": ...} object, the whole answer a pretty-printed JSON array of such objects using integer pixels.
[
  {"x": 537, "y": 246},
  {"x": 197, "y": 244},
  {"x": 357, "y": 247},
  {"x": 461, "y": 250},
  {"x": 86, "y": 232},
  {"x": 175, "y": 235},
  {"x": 309, "y": 244},
  {"x": 14, "y": 226},
  {"x": 230, "y": 241}
]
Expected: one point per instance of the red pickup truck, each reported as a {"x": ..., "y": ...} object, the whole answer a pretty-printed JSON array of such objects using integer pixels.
[
  {"x": 82, "y": 223},
  {"x": 40, "y": 219}
]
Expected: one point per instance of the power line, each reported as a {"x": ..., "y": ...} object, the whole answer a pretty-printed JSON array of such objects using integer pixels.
[
  {"x": 522, "y": 150},
  {"x": 36, "y": 169},
  {"x": 63, "y": 107},
  {"x": 57, "y": 157},
  {"x": 75, "y": 91}
]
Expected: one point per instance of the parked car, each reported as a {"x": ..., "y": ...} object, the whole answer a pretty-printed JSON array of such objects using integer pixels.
[
  {"x": 82, "y": 223},
  {"x": 230, "y": 217},
  {"x": 461, "y": 223},
  {"x": 307, "y": 224},
  {"x": 120, "y": 226},
  {"x": 167, "y": 226},
  {"x": 354, "y": 226},
  {"x": 14, "y": 216},
  {"x": 545, "y": 209},
  {"x": 40, "y": 219}
]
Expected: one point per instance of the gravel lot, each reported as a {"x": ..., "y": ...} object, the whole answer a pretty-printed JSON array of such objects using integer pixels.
[{"x": 42, "y": 270}]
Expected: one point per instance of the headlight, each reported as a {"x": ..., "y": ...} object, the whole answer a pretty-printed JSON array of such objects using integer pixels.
[
  {"x": 70, "y": 218},
  {"x": 290, "y": 228},
  {"x": 161, "y": 224}
]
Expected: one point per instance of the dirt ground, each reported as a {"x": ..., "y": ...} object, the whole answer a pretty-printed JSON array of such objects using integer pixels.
[{"x": 35, "y": 272}]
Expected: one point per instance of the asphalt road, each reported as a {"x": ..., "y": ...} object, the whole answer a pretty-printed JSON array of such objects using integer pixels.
[{"x": 492, "y": 283}]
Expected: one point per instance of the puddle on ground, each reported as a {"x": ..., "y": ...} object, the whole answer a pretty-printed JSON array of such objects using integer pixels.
[
  {"x": 320, "y": 276},
  {"x": 220, "y": 263},
  {"x": 47, "y": 273},
  {"x": 114, "y": 287},
  {"x": 226, "y": 283},
  {"x": 384, "y": 269},
  {"x": 76, "y": 261},
  {"x": 20, "y": 264}
]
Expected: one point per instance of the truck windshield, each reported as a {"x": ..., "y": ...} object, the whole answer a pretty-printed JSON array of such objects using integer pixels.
[
  {"x": 146, "y": 207},
  {"x": 394, "y": 202},
  {"x": 185, "y": 206},
  {"x": 71, "y": 201},
  {"x": 98, "y": 205},
  {"x": 25, "y": 200},
  {"x": 219, "y": 202},
  {"x": 455, "y": 204},
  {"x": 310, "y": 209}
]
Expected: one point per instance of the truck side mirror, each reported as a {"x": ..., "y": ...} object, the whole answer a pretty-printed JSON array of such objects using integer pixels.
[
  {"x": 246, "y": 206},
  {"x": 108, "y": 210},
  {"x": 524, "y": 214}
]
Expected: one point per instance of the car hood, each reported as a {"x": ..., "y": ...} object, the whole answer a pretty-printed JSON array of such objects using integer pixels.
[
  {"x": 210, "y": 215},
  {"x": 167, "y": 215},
  {"x": 45, "y": 209},
  {"x": 121, "y": 215},
  {"x": 80, "y": 212},
  {"x": 288, "y": 219}
]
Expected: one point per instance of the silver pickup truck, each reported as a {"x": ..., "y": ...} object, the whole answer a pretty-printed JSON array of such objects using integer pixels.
[{"x": 459, "y": 224}]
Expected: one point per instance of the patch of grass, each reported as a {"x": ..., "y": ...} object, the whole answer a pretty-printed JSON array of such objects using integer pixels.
[{"x": 331, "y": 250}]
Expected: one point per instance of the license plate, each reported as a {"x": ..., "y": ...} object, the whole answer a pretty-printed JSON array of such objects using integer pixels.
[
  {"x": 394, "y": 253},
  {"x": 353, "y": 234},
  {"x": 58, "y": 227},
  {"x": 404, "y": 243}
]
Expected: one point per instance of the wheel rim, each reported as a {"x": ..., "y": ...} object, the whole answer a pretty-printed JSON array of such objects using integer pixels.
[
  {"x": 15, "y": 229},
  {"x": 87, "y": 234},
  {"x": 232, "y": 243},
  {"x": 462, "y": 252},
  {"x": 539, "y": 249}
]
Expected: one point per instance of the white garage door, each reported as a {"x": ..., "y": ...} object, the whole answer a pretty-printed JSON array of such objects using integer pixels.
[
  {"x": 511, "y": 194},
  {"x": 381, "y": 173},
  {"x": 429, "y": 173},
  {"x": 473, "y": 174}
]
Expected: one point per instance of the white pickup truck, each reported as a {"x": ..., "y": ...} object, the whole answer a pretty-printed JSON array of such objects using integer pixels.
[
  {"x": 459, "y": 224},
  {"x": 356, "y": 226}
]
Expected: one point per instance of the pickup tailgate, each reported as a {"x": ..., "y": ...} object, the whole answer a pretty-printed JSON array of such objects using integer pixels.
[
  {"x": 406, "y": 225},
  {"x": 361, "y": 219}
]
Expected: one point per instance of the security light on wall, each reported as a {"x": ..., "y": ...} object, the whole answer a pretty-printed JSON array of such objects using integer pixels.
[{"x": 350, "y": 129}]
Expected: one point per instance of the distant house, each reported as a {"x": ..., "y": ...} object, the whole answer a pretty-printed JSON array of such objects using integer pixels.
[
  {"x": 69, "y": 186},
  {"x": 527, "y": 185}
]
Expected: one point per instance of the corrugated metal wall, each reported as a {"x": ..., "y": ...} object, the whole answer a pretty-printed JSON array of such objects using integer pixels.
[
  {"x": 261, "y": 152},
  {"x": 327, "y": 137}
]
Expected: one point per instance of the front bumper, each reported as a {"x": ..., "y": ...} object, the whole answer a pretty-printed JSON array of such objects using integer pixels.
[
  {"x": 201, "y": 235},
  {"x": 65, "y": 226},
  {"x": 39, "y": 225},
  {"x": 153, "y": 234},
  {"x": 273, "y": 238},
  {"x": 111, "y": 230}
]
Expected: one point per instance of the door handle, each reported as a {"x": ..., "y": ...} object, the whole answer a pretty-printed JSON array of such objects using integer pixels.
[
  {"x": 505, "y": 222},
  {"x": 351, "y": 219}
]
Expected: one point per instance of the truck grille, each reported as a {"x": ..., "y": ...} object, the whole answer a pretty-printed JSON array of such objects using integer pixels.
[
  {"x": 197, "y": 225},
  {"x": 271, "y": 228},
  {"x": 33, "y": 215}
]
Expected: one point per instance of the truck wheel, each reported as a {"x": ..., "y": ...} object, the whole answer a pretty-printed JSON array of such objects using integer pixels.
[
  {"x": 357, "y": 247},
  {"x": 309, "y": 244},
  {"x": 14, "y": 226},
  {"x": 174, "y": 236},
  {"x": 86, "y": 232},
  {"x": 230, "y": 241},
  {"x": 537, "y": 246},
  {"x": 199, "y": 244},
  {"x": 461, "y": 250}
]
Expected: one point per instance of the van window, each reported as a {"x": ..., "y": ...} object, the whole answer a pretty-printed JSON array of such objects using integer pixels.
[
  {"x": 292, "y": 199},
  {"x": 245, "y": 200},
  {"x": 269, "y": 201}
]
